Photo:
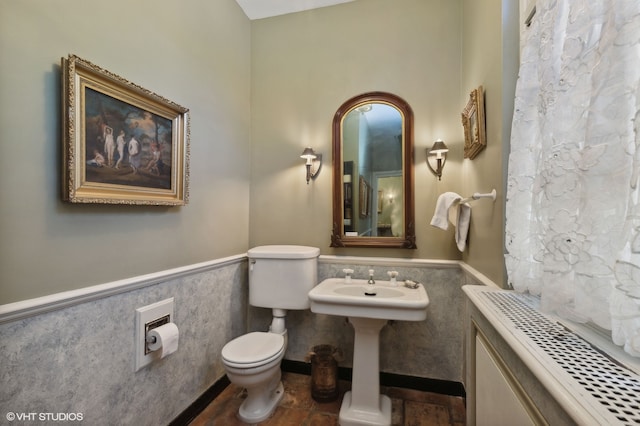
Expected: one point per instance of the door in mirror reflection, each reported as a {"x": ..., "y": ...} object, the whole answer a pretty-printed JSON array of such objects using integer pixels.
[{"x": 388, "y": 215}]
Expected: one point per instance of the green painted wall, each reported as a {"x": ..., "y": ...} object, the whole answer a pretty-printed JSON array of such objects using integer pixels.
[{"x": 198, "y": 57}]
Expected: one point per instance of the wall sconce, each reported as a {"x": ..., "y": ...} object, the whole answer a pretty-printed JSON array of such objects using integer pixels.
[
  {"x": 438, "y": 152},
  {"x": 311, "y": 158}
]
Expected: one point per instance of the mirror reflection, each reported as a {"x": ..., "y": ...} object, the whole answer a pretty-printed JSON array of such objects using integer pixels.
[
  {"x": 372, "y": 144},
  {"x": 372, "y": 157}
]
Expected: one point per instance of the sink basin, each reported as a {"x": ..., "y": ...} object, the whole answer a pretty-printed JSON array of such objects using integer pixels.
[{"x": 334, "y": 296}]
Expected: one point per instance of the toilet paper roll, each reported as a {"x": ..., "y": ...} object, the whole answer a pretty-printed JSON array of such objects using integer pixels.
[{"x": 166, "y": 339}]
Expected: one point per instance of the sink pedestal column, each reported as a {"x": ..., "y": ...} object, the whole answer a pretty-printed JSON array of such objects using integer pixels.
[{"x": 364, "y": 405}]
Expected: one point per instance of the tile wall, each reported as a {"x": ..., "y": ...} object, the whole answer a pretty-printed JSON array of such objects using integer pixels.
[{"x": 81, "y": 359}]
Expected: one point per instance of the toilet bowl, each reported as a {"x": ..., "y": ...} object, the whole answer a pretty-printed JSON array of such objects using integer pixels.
[
  {"x": 252, "y": 361},
  {"x": 280, "y": 278}
]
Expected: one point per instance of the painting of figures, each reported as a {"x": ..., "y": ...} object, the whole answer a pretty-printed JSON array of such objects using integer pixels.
[{"x": 123, "y": 144}]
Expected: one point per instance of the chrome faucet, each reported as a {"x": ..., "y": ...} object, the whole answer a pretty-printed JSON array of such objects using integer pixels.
[
  {"x": 371, "y": 280},
  {"x": 371, "y": 288}
]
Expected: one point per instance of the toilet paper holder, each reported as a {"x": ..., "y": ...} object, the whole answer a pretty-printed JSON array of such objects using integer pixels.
[{"x": 150, "y": 326}]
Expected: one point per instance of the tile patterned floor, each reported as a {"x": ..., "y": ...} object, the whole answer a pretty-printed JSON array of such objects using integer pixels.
[{"x": 297, "y": 408}]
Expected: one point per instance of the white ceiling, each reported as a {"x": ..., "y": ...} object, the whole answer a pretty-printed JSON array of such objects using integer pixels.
[{"x": 258, "y": 9}]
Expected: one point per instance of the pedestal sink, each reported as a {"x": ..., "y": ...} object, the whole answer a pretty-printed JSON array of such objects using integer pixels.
[{"x": 367, "y": 313}]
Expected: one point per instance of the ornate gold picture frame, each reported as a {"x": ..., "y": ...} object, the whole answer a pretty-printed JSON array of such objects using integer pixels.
[
  {"x": 122, "y": 144},
  {"x": 473, "y": 122}
]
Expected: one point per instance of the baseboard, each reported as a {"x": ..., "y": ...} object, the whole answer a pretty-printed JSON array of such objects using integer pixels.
[
  {"x": 444, "y": 387},
  {"x": 199, "y": 405}
]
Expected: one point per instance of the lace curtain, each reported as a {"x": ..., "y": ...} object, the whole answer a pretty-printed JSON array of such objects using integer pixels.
[{"x": 573, "y": 213}]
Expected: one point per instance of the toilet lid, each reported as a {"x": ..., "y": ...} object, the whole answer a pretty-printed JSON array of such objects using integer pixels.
[{"x": 253, "y": 347}]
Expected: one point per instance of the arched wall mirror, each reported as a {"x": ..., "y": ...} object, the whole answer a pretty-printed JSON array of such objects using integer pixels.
[{"x": 373, "y": 173}]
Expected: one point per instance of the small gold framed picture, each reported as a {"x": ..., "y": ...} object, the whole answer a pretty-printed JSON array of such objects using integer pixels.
[{"x": 473, "y": 121}]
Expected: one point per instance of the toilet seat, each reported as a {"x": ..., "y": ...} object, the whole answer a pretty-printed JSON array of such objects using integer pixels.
[{"x": 253, "y": 349}]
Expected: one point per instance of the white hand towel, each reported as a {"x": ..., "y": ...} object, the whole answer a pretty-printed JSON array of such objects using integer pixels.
[
  {"x": 454, "y": 213},
  {"x": 440, "y": 216},
  {"x": 448, "y": 208},
  {"x": 462, "y": 226}
]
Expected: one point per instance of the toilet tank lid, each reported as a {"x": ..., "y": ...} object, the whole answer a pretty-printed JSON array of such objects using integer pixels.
[{"x": 283, "y": 252}]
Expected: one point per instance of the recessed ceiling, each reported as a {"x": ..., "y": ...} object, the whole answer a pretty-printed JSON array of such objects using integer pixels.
[{"x": 258, "y": 9}]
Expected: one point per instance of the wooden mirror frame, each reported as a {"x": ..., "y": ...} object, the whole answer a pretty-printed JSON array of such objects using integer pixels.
[{"x": 408, "y": 240}]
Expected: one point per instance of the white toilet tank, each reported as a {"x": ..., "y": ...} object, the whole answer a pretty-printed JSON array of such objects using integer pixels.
[{"x": 280, "y": 276}]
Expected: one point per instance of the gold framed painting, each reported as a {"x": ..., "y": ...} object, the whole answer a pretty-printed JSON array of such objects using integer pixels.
[
  {"x": 122, "y": 143},
  {"x": 473, "y": 121}
]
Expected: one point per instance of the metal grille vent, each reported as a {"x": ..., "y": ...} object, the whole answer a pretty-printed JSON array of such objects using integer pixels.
[{"x": 613, "y": 386}]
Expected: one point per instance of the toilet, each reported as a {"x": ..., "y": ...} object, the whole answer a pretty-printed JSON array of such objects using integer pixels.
[{"x": 280, "y": 278}]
